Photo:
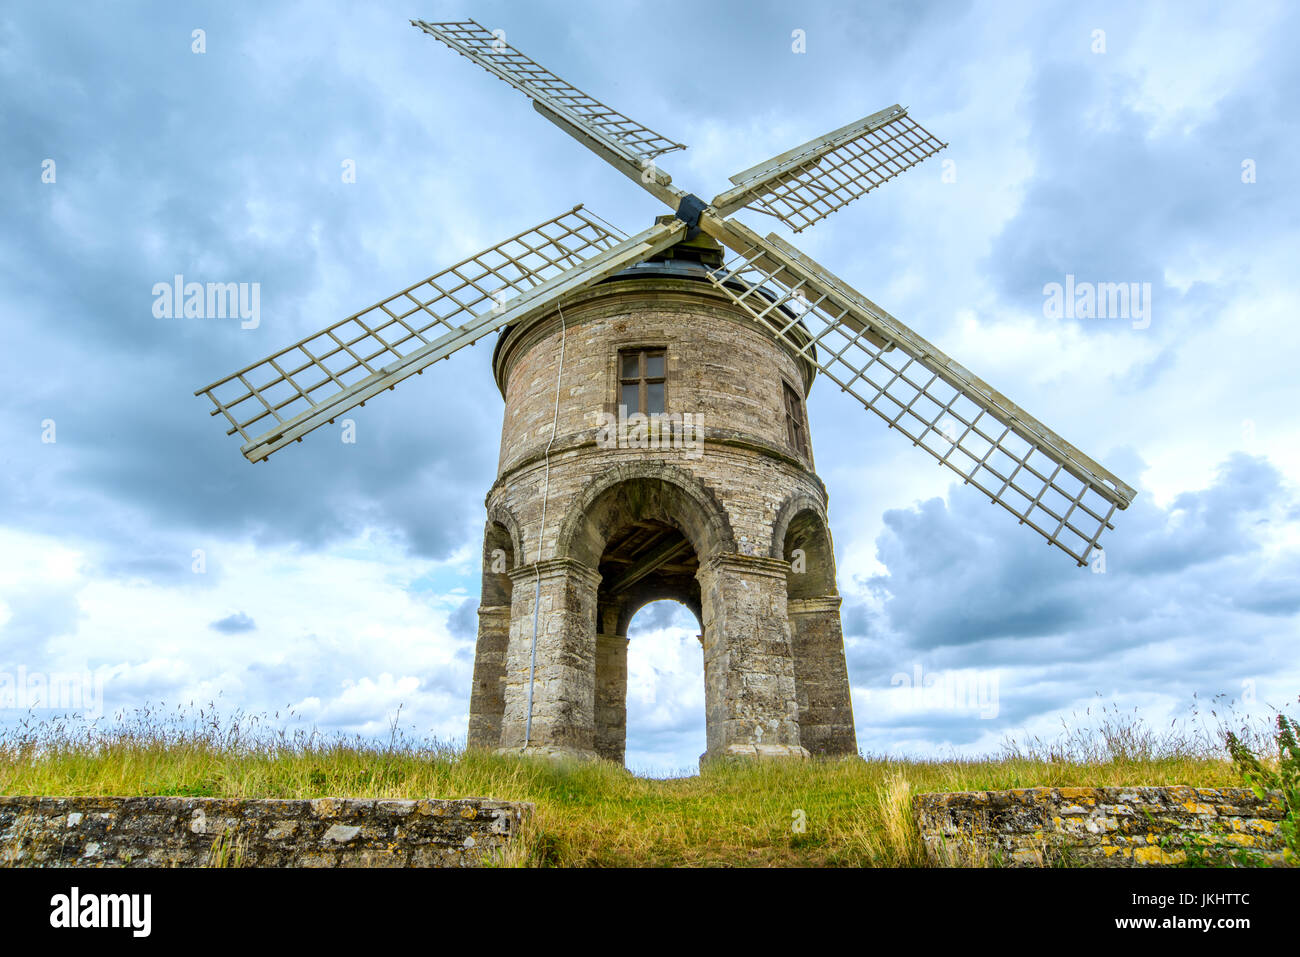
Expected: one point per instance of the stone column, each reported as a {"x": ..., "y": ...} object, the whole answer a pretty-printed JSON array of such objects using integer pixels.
[
  {"x": 749, "y": 688},
  {"x": 487, "y": 697},
  {"x": 821, "y": 677},
  {"x": 611, "y": 697},
  {"x": 564, "y": 686}
]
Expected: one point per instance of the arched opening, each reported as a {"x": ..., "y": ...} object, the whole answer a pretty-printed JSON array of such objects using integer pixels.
[
  {"x": 487, "y": 695},
  {"x": 498, "y": 559},
  {"x": 641, "y": 532},
  {"x": 639, "y": 492},
  {"x": 817, "y": 640},
  {"x": 665, "y": 689},
  {"x": 645, "y": 562},
  {"x": 807, "y": 547},
  {"x": 646, "y": 528}
]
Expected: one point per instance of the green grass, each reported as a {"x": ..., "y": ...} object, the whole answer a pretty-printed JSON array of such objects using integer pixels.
[{"x": 856, "y": 811}]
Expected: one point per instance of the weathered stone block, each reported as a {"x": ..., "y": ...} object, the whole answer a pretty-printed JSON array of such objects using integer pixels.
[
  {"x": 202, "y": 832},
  {"x": 1103, "y": 827}
]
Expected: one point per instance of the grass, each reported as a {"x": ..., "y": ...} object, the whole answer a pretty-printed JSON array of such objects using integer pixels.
[{"x": 849, "y": 812}]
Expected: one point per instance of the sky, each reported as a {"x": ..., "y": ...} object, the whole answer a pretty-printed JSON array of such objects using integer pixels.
[{"x": 338, "y": 583}]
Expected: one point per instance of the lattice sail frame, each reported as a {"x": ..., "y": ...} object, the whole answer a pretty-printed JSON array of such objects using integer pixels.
[
  {"x": 807, "y": 184},
  {"x": 499, "y": 58},
  {"x": 957, "y": 418},
  {"x": 274, "y": 393}
]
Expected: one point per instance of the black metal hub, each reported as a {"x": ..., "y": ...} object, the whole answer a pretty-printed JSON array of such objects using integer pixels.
[{"x": 688, "y": 211}]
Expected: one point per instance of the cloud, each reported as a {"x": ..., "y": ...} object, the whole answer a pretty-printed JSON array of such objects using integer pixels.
[
  {"x": 994, "y": 586},
  {"x": 665, "y": 689},
  {"x": 463, "y": 622},
  {"x": 234, "y": 624},
  {"x": 966, "y": 589}
]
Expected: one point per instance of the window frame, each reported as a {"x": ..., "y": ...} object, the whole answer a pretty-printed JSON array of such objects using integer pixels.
[
  {"x": 796, "y": 419},
  {"x": 641, "y": 380}
]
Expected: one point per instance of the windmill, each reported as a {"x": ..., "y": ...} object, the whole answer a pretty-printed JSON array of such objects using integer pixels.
[{"x": 818, "y": 324}]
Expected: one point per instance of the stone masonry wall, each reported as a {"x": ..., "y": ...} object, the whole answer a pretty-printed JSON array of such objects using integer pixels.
[
  {"x": 721, "y": 367},
  {"x": 205, "y": 832},
  {"x": 720, "y": 364},
  {"x": 1100, "y": 827},
  {"x": 728, "y": 496},
  {"x": 821, "y": 676}
]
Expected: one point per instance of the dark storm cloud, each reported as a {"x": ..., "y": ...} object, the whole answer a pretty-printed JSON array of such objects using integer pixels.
[
  {"x": 1174, "y": 576},
  {"x": 225, "y": 167},
  {"x": 1013, "y": 591},
  {"x": 201, "y": 167}
]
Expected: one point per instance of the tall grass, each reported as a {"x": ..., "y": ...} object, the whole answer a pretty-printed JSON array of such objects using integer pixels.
[{"x": 854, "y": 811}]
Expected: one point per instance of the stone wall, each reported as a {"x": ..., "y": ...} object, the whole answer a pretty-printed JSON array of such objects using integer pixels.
[
  {"x": 1106, "y": 827},
  {"x": 205, "y": 832},
  {"x": 721, "y": 367}
]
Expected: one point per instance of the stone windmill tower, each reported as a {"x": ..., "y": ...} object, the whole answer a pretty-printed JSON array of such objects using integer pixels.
[
  {"x": 655, "y": 442},
  {"x": 662, "y": 432}
]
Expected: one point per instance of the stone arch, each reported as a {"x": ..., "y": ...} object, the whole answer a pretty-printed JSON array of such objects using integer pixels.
[
  {"x": 645, "y": 528},
  {"x": 798, "y": 501},
  {"x": 500, "y": 556},
  {"x": 647, "y": 489},
  {"x": 642, "y": 596},
  {"x": 821, "y": 679},
  {"x": 801, "y": 524},
  {"x": 500, "y": 514}
]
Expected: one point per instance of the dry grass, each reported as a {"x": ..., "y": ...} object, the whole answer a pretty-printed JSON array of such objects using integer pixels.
[{"x": 856, "y": 812}]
